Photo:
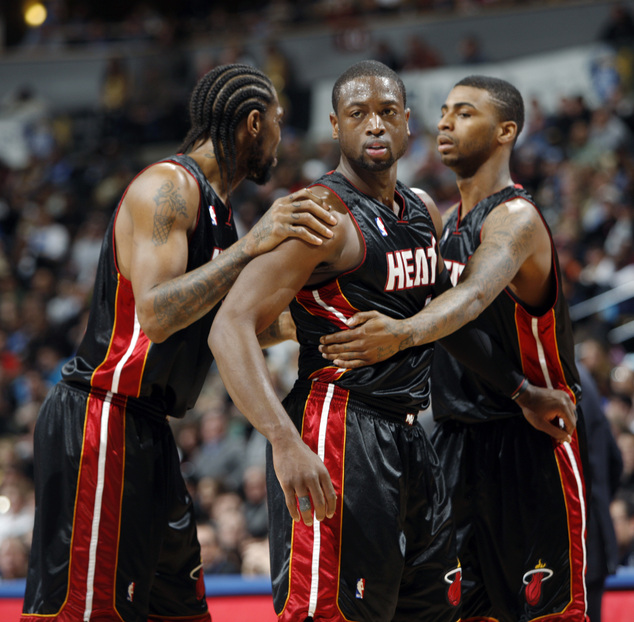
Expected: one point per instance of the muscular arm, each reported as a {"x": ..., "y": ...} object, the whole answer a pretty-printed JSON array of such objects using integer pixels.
[
  {"x": 515, "y": 251},
  {"x": 261, "y": 292},
  {"x": 157, "y": 215},
  {"x": 511, "y": 236}
]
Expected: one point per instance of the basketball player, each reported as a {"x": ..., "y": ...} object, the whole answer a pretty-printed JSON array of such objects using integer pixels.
[
  {"x": 518, "y": 494},
  {"x": 114, "y": 535},
  {"x": 382, "y": 550}
]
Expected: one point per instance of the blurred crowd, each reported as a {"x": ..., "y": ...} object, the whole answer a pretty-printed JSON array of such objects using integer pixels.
[
  {"x": 57, "y": 196},
  {"x": 71, "y": 24}
]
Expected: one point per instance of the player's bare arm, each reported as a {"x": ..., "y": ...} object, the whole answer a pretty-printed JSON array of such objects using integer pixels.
[
  {"x": 151, "y": 236},
  {"x": 263, "y": 290},
  {"x": 282, "y": 329},
  {"x": 512, "y": 253}
]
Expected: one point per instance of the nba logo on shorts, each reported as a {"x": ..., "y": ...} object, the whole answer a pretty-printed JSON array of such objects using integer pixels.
[
  {"x": 381, "y": 226},
  {"x": 212, "y": 213},
  {"x": 131, "y": 592},
  {"x": 360, "y": 588}
]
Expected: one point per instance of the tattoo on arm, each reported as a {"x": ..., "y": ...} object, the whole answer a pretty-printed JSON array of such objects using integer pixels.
[
  {"x": 169, "y": 204},
  {"x": 272, "y": 334},
  {"x": 183, "y": 300},
  {"x": 487, "y": 273}
]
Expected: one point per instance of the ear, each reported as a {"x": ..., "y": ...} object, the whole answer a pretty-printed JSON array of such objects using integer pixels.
[
  {"x": 254, "y": 123},
  {"x": 407, "y": 113},
  {"x": 508, "y": 132},
  {"x": 335, "y": 125}
]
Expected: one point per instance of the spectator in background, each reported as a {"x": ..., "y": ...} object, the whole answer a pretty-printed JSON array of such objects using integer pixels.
[
  {"x": 622, "y": 512},
  {"x": 14, "y": 558},
  {"x": 255, "y": 507},
  {"x": 605, "y": 471},
  {"x": 115, "y": 95},
  {"x": 256, "y": 558},
  {"x": 618, "y": 33},
  {"x": 384, "y": 53},
  {"x": 471, "y": 52},
  {"x": 221, "y": 453},
  {"x": 214, "y": 559},
  {"x": 420, "y": 55},
  {"x": 625, "y": 441},
  {"x": 16, "y": 506}
]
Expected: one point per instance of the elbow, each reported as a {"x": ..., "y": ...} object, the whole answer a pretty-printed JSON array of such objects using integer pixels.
[
  {"x": 151, "y": 325},
  {"x": 218, "y": 334}
]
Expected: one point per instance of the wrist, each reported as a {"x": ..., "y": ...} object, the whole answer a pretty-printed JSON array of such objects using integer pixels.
[{"x": 521, "y": 390}]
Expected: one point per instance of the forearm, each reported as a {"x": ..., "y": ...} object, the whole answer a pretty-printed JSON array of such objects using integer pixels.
[
  {"x": 236, "y": 349},
  {"x": 443, "y": 316},
  {"x": 177, "y": 303}
]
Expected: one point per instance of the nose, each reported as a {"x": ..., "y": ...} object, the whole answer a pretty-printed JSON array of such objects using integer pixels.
[
  {"x": 375, "y": 125},
  {"x": 444, "y": 122}
]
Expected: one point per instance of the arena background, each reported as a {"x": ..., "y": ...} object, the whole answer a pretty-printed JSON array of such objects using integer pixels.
[{"x": 54, "y": 76}]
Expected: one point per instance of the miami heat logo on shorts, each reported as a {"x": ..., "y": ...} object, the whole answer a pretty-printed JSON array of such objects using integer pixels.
[
  {"x": 533, "y": 580},
  {"x": 454, "y": 592}
]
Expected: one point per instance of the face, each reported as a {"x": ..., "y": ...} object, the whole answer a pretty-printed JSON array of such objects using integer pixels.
[
  {"x": 468, "y": 129},
  {"x": 371, "y": 123},
  {"x": 262, "y": 157}
]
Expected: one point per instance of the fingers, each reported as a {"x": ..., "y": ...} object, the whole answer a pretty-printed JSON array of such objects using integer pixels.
[
  {"x": 319, "y": 504},
  {"x": 305, "y": 508},
  {"x": 559, "y": 432},
  {"x": 308, "y": 227},
  {"x": 342, "y": 337},
  {"x": 291, "y": 504},
  {"x": 312, "y": 211},
  {"x": 352, "y": 363}
]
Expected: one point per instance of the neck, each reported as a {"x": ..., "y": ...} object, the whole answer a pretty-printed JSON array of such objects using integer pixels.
[
  {"x": 380, "y": 185},
  {"x": 487, "y": 180},
  {"x": 206, "y": 159}
]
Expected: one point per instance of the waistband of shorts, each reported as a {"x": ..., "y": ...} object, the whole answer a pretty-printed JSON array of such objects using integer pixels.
[
  {"x": 375, "y": 407},
  {"x": 134, "y": 406}
]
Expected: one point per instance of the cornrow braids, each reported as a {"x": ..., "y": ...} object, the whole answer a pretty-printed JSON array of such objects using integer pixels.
[{"x": 221, "y": 99}]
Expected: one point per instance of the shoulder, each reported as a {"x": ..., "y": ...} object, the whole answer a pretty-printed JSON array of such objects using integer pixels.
[
  {"x": 163, "y": 190},
  {"x": 434, "y": 212},
  {"x": 330, "y": 197},
  {"x": 165, "y": 181}
]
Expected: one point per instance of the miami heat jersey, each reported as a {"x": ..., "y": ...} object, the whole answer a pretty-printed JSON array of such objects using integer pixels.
[
  {"x": 115, "y": 354},
  {"x": 395, "y": 277},
  {"x": 539, "y": 341}
]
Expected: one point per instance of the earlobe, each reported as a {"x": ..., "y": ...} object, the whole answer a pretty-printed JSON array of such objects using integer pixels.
[
  {"x": 335, "y": 126},
  {"x": 508, "y": 132},
  {"x": 254, "y": 121}
]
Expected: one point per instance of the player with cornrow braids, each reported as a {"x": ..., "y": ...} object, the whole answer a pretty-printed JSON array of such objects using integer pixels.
[
  {"x": 115, "y": 535},
  {"x": 228, "y": 93}
]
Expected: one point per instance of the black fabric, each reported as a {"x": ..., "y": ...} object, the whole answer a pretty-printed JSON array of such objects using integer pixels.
[
  {"x": 174, "y": 370},
  {"x": 396, "y": 277},
  {"x": 461, "y": 393}
]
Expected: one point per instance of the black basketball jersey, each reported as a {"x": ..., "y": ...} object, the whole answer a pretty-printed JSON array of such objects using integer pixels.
[
  {"x": 395, "y": 277},
  {"x": 115, "y": 354},
  {"x": 539, "y": 341}
]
